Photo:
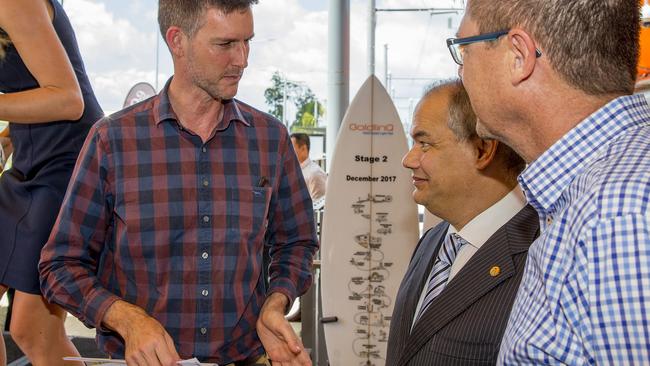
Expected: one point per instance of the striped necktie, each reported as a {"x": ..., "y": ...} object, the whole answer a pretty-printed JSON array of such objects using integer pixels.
[{"x": 440, "y": 271}]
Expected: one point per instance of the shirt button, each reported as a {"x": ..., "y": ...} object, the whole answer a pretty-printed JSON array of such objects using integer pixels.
[
  {"x": 204, "y": 330},
  {"x": 206, "y": 219},
  {"x": 549, "y": 220},
  {"x": 205, "y": 183},
  {"x": 204, "y": 149},
  {"x": 204, "y": 292},
  {"x": 204, "y": 255}
]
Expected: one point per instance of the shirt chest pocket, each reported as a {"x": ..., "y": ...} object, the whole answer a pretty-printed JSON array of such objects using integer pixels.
[{"x": 247, "y": 216}]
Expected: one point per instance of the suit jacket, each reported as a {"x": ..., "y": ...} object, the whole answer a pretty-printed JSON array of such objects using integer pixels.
[{"x": 465, "y": 323}]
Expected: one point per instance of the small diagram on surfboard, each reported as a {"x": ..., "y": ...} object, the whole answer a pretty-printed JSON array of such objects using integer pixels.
[
  {"x": 376, "y": 198},
  {"x": 373, "y": 315}
]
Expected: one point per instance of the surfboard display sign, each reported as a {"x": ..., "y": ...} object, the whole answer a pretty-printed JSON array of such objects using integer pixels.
[
  {"x": 370, "y": 228},
  {"x": 138, "y": 92}
]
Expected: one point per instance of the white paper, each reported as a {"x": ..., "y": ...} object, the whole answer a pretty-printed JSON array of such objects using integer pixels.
[
  {"x": 109, "y": 362},
  {"x": 194, "y": 362},
  {"x": 96, "y": 361}
]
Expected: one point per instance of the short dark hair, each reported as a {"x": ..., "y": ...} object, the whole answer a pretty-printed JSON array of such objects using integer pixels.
[
  {"x": 593, "y": 45},
  {"x": 302, "y": 139},
  {"x": 462, "y": 121},
  {"x": 186, "y": 14}
]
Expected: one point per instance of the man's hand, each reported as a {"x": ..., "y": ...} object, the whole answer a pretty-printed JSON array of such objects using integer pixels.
[
  {"x": 278, "y": 338},
  {"x": 147, "y": 342}
]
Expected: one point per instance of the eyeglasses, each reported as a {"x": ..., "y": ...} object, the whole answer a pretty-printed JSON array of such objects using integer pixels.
[{"x": 454, "y": 44}]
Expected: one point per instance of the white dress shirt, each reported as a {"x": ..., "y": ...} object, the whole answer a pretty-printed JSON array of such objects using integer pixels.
[
  {"x": 315, "y": 178},
  {"x": 480, "y": 229}
]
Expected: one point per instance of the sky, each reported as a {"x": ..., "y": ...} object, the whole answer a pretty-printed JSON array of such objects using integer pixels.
[{"x": 119, "y": 40}]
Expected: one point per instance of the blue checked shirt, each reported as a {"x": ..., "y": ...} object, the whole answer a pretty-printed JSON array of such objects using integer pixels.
[{"x": 585, "y": 294}]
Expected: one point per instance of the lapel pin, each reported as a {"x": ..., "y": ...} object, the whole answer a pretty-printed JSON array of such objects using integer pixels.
[{"x": 495, "y": 271}]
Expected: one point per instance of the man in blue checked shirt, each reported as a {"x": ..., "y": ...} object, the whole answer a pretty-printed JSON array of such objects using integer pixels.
[
  {"x": 160, "y": 237},
  {"x": 553, "y": 79}
]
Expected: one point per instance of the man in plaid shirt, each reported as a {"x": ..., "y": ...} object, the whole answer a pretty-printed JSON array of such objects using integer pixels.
[{"x": 159, "y": 243}]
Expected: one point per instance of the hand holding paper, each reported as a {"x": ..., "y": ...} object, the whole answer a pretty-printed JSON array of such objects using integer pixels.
[{"x": 146, "y": 340}]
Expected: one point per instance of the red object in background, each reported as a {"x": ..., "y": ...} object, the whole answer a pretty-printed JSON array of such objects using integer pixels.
[{"x": 643, "y": 67}]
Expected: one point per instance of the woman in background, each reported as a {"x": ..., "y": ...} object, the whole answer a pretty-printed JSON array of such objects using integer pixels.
[{"x": 50, "y": 105}]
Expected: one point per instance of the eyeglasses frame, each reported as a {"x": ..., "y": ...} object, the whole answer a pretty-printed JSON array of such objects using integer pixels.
[{"x": 486, "y": 37}]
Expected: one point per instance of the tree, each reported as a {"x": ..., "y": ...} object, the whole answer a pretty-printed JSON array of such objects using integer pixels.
[
  {"x": 280, "y": 89},
  {"x": 297, "y": 93},
  {"x": 306, "y": 115}
]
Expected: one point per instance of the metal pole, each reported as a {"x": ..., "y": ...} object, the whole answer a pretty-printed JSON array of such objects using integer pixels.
[
  {"x": 338, "y": 70},
  {"x": 385, "y": 64},
  {"x": 157, "y": 58},
  {"x": 430, "y": 10},
  {"x": 284, "y": 102},
  {"x": 372, "y": 25}
]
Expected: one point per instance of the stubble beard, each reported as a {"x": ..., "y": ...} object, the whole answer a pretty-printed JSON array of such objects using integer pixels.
[
  {"x": 213, "y": 89},
  {"x": 210, "y": 84}
]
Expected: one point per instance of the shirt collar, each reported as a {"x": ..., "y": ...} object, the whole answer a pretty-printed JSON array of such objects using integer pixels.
[
  {"x": 485, "y": 224},
  {"x": 305, "y": 163},
  {"x": 165, "y": 111},
  {"x": 546, "y": 178}
]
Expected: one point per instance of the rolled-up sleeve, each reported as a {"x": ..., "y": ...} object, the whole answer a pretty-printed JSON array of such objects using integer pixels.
[{"x": 70, "y": 258}]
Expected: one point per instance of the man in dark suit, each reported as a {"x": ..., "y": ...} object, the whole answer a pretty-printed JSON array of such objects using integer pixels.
[{"x": 453, "y": 304}]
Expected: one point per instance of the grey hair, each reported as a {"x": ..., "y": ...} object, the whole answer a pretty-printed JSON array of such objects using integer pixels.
[
  {"x": 592, "y": 45},
  {"x": 462, "y": 121}
]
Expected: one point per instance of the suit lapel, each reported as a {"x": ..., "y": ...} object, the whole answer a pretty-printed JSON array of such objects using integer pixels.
[
  {"x": 411, "y": 287},
  {"x": 474, "y": 280},
  {"x": 418, "y": 277}
]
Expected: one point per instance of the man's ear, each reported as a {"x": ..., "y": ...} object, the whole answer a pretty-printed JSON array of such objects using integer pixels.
[
  {"x": 175, "y": 39},
  {"x": 485, "y": 152},
  {"x": 523, "y": 55}
]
